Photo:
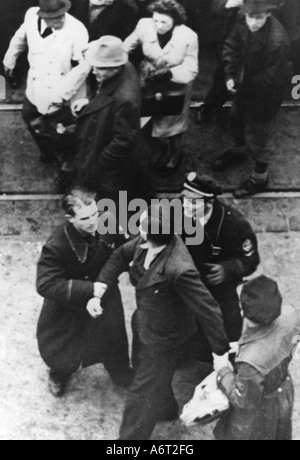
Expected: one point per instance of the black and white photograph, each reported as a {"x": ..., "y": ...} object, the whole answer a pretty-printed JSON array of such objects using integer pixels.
[{"x": 150, "y": 222}]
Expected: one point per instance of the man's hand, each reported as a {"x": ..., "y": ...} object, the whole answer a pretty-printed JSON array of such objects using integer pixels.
[
  {"x": 99, "y": 290},
  {"x": 11, "y": 78},
  {"x": 78, "y": 106},
  {"x": 94, "y": 308},
  {"x": 8, "y": 73},
  {"x": 231, "y": 86},
  {"x": 221, "y": 361},
  {"x": 216, "y": 274}
]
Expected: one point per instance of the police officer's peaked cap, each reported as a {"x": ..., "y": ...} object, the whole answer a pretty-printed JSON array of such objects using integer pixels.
[
  {"x": 261, "y": 301},
  {"x": 203, "y": 185}
]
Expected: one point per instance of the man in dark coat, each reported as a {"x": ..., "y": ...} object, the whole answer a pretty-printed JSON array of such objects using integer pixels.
[
  {"x": 68, "y": 336},
  {"x": 228, "y": 253},
  {"x": 260, "y": 389},
  {"x": 106, "y": 17},
  {"x": 170, "y": 297},
  {"x": 256, "y": 58},
  {"x": 110, "y": 157}
]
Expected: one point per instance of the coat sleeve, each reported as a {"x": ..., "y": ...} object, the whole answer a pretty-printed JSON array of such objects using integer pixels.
[
  {"x": 196, "y": 297},
  {"x": 125, "y": 131},
  {"x": 118, "y": 263},
  {"x": 186, "y": 72},
  {"x": 17, "y": 45},
  {"x": 274, "y": 73},
  {"x": 245, "y": 256},
  {"x": 134, "y": 39},
  {"x": 53, "y": 283},
  {"x": 232, "y": 54}
]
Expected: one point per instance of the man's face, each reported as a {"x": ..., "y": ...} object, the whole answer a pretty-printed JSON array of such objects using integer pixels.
[
  {"x": 85, "y": 219},
  {"x": 195, "y": 206},
  {"x": 256, "y": 21},
  {"x": 56, "y": 23},
  {"x": 163, "y": 23},
  {"x": 104, "y": 74}
]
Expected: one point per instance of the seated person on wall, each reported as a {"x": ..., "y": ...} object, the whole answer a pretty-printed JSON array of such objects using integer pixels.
[
  {"x": 106, "y": 17},
  {"x": 228, "y": 253},
  {"x": 255, "y": 57},
  {"x": 73, "y": 332},
  {"x": 55, "y": 42},
  {"x": 260, "y": 388},
  {"x": 170, "y": 298}
]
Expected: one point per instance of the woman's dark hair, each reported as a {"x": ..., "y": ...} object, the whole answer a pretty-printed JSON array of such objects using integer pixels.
[{"x": 170, "y": 8}]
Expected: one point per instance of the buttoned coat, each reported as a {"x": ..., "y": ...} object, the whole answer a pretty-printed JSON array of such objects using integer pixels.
[
  {"x": 67, "y": 335},
  {"x": 50, "y": 59},
  {"x": 171, "y": 297},
  {"x": 110, "y": 153},
  {"x": 180, "y": 55}
]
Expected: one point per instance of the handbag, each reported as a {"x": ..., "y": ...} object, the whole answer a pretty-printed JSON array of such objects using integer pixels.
[{"x": 162, "y": 100}]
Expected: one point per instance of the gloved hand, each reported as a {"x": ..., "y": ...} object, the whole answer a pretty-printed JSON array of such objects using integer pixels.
[
  {"x": 78, "y": 106},
  {"x": 216, "y": 274},
  {"x": 221, "y": 361},
  {"x": 99, "y": 290},
  {"x": 163, "y": 74}
]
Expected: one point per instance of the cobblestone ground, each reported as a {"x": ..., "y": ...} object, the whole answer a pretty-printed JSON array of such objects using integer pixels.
[{"x": 92, "y": 408}]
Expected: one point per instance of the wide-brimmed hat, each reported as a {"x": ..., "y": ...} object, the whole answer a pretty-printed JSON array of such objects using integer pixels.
[
  {"x": 106, "y": 52},
  {"x": 257, "y": 6},
  {"x": 51, "y": 9}
]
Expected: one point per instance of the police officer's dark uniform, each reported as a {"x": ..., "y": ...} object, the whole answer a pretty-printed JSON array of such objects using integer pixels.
[{"x": 229, "y": 241}]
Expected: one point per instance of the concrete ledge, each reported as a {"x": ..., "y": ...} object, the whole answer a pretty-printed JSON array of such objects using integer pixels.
[{"x": 33, "y": 216}]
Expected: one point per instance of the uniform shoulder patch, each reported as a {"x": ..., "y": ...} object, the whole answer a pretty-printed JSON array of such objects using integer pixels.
[{"x": 248, "y": 246}]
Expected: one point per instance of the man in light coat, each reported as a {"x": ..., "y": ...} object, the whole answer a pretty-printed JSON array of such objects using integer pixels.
[{"x": 55, "y": 42}]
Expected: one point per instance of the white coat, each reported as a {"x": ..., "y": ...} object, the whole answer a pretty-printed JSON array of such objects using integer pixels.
[
  {"x": 50, "y": 59},
  {"x": 181, "y": 56}
]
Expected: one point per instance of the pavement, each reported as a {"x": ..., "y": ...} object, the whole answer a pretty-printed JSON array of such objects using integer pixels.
[{"x": 92, "y": 408}]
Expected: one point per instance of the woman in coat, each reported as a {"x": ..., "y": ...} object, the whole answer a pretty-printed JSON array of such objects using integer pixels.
[{"x": 170, "y": 51}]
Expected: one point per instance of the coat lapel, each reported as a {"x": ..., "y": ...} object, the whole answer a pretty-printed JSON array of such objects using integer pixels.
[{"x": 77, "y": 243}]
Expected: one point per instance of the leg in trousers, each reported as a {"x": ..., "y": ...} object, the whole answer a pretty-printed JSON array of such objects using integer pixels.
[
  {"x": 150, "y": 395},
  {"x": 260, "y": 136}
]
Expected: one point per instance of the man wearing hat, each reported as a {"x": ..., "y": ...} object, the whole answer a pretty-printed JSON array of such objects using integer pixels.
[
  {"x": 228, "y": 253},
  {"x": 170, "y": 296},
  {"x": 255, "y": 57},
  {"x": 110, "y": 155},
  {"x": 260, "y": 389},
  {"x": 55, "y": 42}
]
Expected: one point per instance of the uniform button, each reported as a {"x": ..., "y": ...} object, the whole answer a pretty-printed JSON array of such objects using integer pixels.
[{"x": 280, "y": 390}]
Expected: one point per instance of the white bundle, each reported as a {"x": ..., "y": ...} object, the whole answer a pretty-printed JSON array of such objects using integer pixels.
[{"x": 207, "y": 404}]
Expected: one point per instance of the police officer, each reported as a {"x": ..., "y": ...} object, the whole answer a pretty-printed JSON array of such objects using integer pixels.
[{"x": 229, "y": 251}]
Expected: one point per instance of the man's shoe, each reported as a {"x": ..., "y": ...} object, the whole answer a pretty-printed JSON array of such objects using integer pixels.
[
  {"x": 57, "y": 385},
  {"x": 228, "y": 159},
  {"x": 123, "y": 380},
  {"x": 250, "y": 187}
]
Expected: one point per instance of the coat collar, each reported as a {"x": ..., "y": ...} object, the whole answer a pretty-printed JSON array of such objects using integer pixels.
[
  {"x": 105, "y": 97},
  {"x": 77, "y": 242},
  {"x": 155, "y": 274},
  {"x": 176, "y": 38}
]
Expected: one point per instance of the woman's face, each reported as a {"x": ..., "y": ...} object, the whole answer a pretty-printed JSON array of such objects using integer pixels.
[{"x": 163, "y": 23}]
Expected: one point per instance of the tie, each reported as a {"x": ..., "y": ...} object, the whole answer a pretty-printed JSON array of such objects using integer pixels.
[{"x": 47, "y": 32}]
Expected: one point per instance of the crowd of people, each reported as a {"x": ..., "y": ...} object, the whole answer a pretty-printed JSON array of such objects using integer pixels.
[{"x": 93, "y": 76}]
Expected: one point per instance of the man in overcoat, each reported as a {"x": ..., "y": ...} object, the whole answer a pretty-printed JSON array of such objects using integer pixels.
[
  {"x": 68, "y": 336},
  {"x": 255, "y": 57},
  {"x": 110, "y": 157},
  {"x": 170, "y": 296}
]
